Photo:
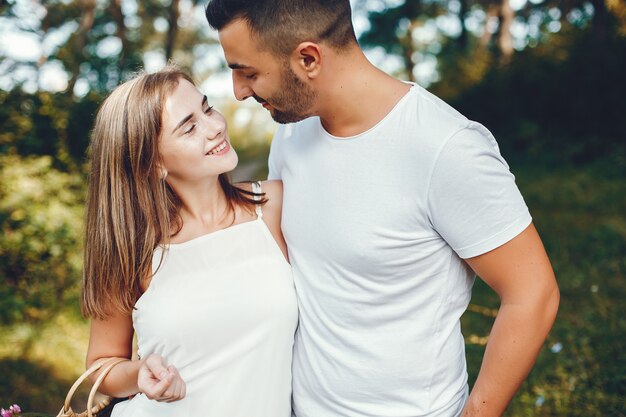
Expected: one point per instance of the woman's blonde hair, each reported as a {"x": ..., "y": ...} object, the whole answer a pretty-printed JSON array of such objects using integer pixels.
[{"x": 130, "y": 209}]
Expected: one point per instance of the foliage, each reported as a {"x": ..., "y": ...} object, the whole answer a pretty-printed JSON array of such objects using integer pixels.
[
  {"x": 416, "y": 30},
  {"x": 40, "y": 255},
  {"x": 39, "y": 362},
  {"x": 99, "y": 44},
  {"x": 45, "y": 123},
  {"x": 560, "y": 102},
  {"x": 392, "y": 29},
  {"x": 34, "y": 386}
]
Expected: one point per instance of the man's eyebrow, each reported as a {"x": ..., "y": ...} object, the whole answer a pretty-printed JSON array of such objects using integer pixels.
[{"x": 236, "y": 66}]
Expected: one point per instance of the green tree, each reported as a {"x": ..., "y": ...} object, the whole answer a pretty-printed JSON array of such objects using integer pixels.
[
  {"x": 97, "y": 44},
  {"x": 472, "y": 51},
  {"x": 40, "y": 240}
]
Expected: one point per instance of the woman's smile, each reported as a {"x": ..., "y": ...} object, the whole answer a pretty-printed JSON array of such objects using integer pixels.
[{"x": 219, "y": 149}]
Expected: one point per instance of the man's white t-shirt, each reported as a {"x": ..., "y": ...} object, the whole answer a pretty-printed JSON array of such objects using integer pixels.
[{"x": 377, "y": 225}]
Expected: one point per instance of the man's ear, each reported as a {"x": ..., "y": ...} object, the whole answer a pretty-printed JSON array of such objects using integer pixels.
[{"x": 307, "y": 57}]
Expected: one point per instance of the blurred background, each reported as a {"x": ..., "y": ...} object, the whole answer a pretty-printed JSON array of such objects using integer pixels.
[{"x": 547, "y": 77}]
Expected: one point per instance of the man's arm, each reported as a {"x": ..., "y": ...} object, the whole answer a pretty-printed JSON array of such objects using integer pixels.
[
  {"x": 274, "y": 160},
  {"x": 520, "y": 273}
]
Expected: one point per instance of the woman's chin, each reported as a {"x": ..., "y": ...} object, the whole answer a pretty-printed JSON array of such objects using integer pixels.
[
  {"x": 229, "y": 162},
  {"x": 234, "y": 159}
]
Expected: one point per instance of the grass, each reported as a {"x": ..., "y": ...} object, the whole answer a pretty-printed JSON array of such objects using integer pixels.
[
  {"x": 581, "y": 215},
  {"x": 39, "y": 363}
]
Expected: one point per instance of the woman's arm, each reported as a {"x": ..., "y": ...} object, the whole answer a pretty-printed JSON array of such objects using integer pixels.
[
  {"x": 112, "y": 337},
  {"x": 272, "y": 211}
]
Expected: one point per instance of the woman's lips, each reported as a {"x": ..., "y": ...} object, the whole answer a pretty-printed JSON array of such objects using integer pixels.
[{"x": 219, "y": 149}]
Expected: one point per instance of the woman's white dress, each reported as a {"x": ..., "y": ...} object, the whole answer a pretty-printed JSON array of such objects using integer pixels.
[{"x": 222, "y": 309}]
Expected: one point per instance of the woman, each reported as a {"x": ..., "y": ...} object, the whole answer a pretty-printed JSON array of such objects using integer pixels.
[{"x": 193, "y": 265}]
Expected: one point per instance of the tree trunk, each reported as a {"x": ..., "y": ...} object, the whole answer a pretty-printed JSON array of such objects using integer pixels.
[
  {"x": 118, "y": 16},
  {"x": 492, "y": 11},
  {"x": 602, "y": 23},
  {"x": 86, "y": 23},
  {"x": 461, "y": 41},
  {"x": 409, "y": 50},
  {"x": 172, "y": 30},
  {"x": 505, "y": 39}
]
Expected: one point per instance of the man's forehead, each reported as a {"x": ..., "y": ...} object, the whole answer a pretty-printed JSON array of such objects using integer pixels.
[
  {"x": 235, "y": 34},
  {"x": 238, "y": 44},
  {"x": 242, "y": 50}
]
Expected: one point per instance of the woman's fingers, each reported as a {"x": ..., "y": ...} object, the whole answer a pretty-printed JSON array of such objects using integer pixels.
[
  {"x": 156, "y": 365},
  {"x": 160, "y": 382},
  {"x": 157, "y": 389},
  {"x": 177, "y": 389},
  {"x": 184, "y": 389},
  {"x": 173, "y": 394}
]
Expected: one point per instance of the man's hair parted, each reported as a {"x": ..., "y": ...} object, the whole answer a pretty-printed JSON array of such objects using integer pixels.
[{"x": 282, "y": 24}]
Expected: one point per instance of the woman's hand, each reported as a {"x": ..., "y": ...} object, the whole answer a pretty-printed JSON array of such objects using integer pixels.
[{"x": 160, "y": 382}]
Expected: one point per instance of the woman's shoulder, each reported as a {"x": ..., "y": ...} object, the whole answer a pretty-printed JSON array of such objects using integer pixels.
[{"x": 272, "y": 190}]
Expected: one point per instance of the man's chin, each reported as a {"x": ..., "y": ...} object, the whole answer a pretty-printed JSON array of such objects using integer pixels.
[{"x": 286, "y": 118}]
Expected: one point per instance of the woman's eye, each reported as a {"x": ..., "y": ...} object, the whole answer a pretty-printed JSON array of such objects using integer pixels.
[{"x": 191, "y": 128}]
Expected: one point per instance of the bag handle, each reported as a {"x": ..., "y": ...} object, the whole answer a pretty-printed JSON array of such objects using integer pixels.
[
  {"x": 108, "y": 364},
  {"x": 96, "y": 384}
]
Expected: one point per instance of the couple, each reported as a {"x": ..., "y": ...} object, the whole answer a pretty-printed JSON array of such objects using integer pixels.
[{"x": 392, "y": 202}]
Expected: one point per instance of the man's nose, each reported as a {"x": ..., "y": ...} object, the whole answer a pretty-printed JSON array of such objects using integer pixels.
[{"x": 241, "y": 89}]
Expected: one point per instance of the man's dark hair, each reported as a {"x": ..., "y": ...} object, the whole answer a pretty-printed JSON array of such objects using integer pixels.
[{"x": 282, "y": 24}]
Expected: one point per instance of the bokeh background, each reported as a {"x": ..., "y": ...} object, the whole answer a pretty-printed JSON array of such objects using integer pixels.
[{"x": 548, "y": 77}]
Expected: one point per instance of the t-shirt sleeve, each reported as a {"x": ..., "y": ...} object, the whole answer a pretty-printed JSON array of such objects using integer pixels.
[
  {"x": 473, "y": 201},
  {"x": 274, "y": 162}
]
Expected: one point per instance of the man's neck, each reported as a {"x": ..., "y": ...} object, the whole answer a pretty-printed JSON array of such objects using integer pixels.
[{"x": 357, "y": 96}]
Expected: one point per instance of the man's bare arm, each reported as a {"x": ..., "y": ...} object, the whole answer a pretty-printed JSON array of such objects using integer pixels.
[{"x": 520, "y": 273}]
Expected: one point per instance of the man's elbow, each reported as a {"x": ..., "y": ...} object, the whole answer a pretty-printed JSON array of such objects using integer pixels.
[{"x": 549, "y": 304}]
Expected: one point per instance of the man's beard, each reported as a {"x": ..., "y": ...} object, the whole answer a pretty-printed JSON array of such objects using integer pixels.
[{"x": 295, "y": 98}]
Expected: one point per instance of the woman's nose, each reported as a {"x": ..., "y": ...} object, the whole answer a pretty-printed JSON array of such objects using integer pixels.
[{"x": 212, "y": 127}]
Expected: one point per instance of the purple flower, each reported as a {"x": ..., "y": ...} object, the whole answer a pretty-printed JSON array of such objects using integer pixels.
[{"x": 13, "y": 411}]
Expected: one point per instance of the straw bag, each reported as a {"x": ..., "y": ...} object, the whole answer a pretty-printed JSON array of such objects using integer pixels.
[{"x": 92, "y": 409}]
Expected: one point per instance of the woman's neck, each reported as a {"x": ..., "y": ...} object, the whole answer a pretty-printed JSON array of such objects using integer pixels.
[{"x": 204, "y": 204}]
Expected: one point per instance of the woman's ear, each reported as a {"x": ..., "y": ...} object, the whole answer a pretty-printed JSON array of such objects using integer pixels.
[
  {"x": 162, "y": 172},
  {"x": 307, "y": 57}
]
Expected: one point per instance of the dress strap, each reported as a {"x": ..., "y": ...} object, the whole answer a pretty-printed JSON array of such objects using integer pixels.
[{"x": 256, "y": 188}]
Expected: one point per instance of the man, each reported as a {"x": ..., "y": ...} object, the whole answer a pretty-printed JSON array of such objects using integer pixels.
[{"x": 392, "y": 201}]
